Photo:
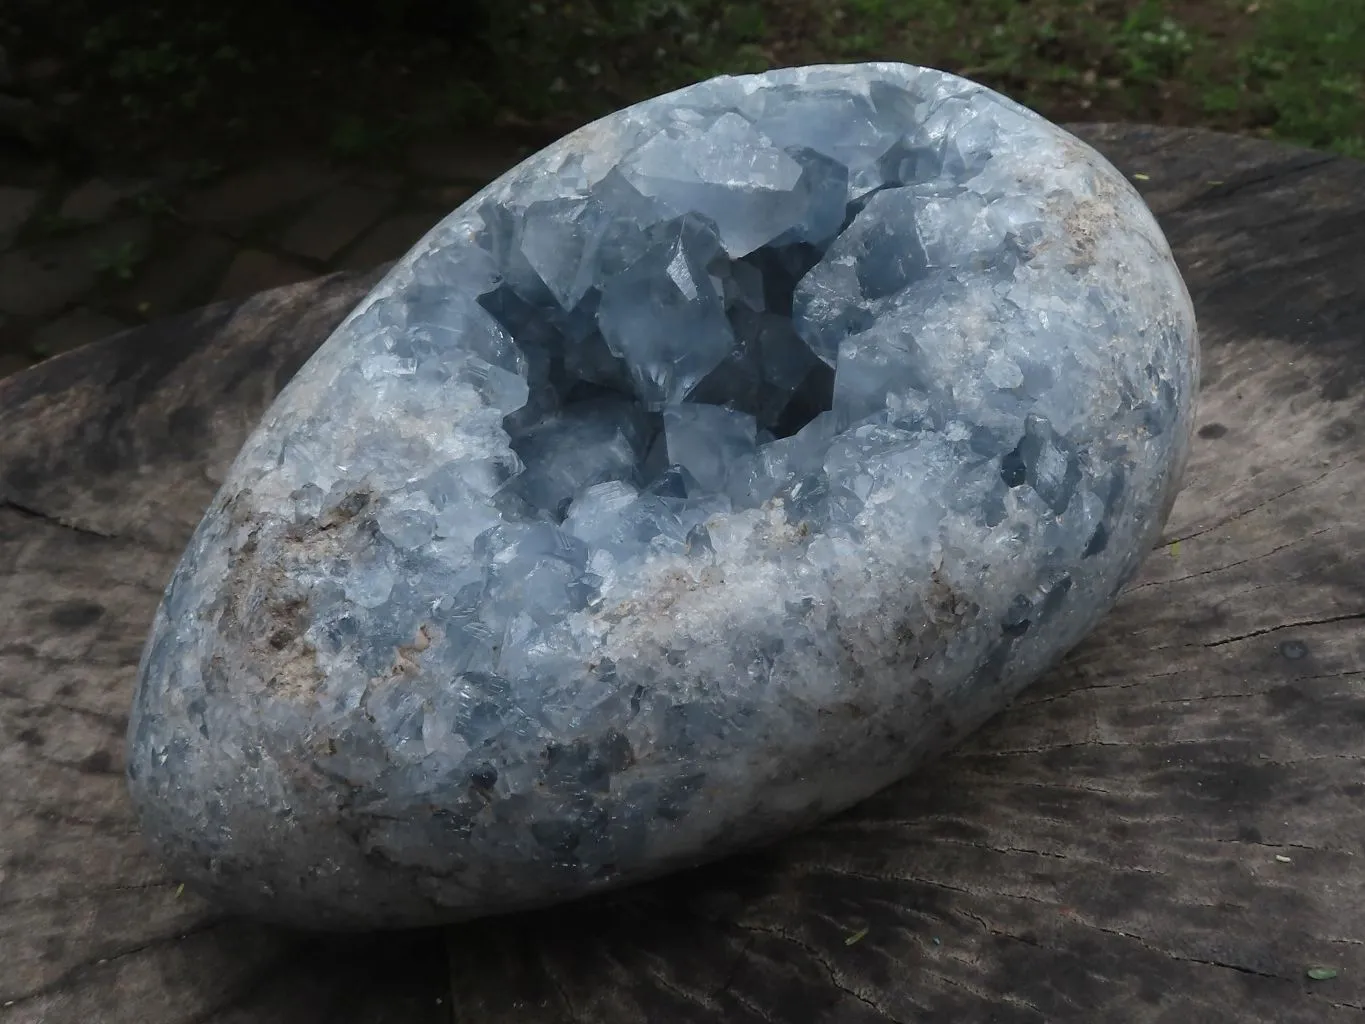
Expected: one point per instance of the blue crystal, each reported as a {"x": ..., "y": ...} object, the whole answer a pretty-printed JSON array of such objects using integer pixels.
[
  {"x": 699, "y": 477},
  {"x": 707, "y": 441}
]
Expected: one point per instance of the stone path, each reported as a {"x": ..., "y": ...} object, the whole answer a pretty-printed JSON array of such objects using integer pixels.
[{"x": 80, "y": 260}]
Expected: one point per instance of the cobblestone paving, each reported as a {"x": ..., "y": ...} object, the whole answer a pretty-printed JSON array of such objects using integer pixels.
[{"x": 81, "y": 260}]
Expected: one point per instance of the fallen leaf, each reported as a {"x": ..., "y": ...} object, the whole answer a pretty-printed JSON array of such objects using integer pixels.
[
  {"x": 1142, "y": 177},
  {"x": 1322, "y": 973},
  {"x": 856, "y": 937}
]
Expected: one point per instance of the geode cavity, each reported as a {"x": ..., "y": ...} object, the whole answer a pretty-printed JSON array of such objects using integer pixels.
[{"x": 694, "y": 480}]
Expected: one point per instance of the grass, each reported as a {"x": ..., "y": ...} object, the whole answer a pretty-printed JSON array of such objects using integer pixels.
[
  {"x": 212, "y": 81},
  {"x": 1305, "y": 69},
  {"x": 1290, "y": 69}
]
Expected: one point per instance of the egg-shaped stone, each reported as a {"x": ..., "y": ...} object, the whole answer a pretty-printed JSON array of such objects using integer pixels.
[{"x": 693, "y": 481}]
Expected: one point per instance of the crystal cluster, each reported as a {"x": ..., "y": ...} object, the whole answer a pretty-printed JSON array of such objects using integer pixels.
[{"x": 696, "y": 479}]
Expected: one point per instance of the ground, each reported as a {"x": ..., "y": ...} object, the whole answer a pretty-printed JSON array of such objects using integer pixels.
[{"x": 163, "y": 155}]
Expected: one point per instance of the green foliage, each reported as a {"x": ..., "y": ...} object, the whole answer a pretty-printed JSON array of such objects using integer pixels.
[
  {"x": 589, "y": 55},
  {"x": 1295, "y": 68},
  {"x": 156, "y": 59},
  {"x": 1073, "y": 54},
  {"x": 118, "y": 262},
  {"x": 1152, "y": 45},
  {"x": 361, "y": 76},
  {"x": 1305, "y": 71}
]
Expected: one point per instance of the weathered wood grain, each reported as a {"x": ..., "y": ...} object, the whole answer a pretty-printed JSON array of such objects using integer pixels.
[{"x": 1169, "y": 827}]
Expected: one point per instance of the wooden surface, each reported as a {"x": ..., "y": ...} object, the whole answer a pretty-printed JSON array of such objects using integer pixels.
[{"x": 1170, "y": 827}]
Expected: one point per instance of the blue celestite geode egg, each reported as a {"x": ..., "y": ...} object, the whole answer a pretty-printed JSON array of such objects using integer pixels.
[{"x": 693, "y": 481}]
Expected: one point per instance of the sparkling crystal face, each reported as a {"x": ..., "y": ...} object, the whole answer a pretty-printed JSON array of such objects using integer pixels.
[{"x": 691, "y": 482}]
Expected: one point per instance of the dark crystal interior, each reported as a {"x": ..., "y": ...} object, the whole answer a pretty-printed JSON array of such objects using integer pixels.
[
  {"x": 585, "y": 400},
  {"x": 699, "y": 355}
]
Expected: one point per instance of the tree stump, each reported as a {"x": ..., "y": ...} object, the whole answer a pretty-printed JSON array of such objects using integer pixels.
[{"x": 1168, "y": 827}]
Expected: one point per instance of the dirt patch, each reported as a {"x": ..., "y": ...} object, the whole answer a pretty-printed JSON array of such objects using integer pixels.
[
  {"x": 1085, "y": 223},
  {"x": 916, "y": 635},
  {"x": 406, "y": 660},
  {"x": 265, "y": 612},
  {"x": 272, "y": 633},
  {"x": 656, "y": 606},
  {"x": 339, "y": 514}
]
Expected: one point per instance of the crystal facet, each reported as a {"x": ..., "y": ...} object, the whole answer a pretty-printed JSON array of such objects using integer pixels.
[{"x": 694, "y": 480}]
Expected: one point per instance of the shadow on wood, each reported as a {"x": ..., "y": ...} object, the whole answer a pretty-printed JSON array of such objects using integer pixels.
[{"x": 1170, "y": 826}]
